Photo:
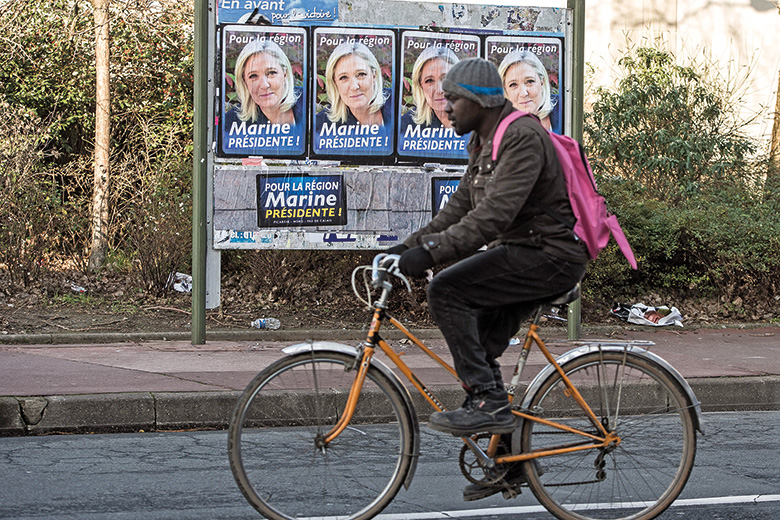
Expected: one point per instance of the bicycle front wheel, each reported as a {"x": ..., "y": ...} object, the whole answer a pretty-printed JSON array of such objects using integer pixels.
[
  {"x": 276, "y": 448},
  {"x": 635, "y": 479}
]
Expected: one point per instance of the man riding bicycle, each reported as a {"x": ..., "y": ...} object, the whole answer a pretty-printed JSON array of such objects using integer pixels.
[{"x": 480, "y": 301}]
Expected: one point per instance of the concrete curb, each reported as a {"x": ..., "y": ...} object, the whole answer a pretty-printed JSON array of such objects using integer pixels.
[
  {"x": 70, "y": 338},
  {"x": 107, "y": 413},
  {"x": 196, "y": 410},
  {"x": 77, "y": 413},
  {"x": 151, "y": 410},
  {"x": 737, "y": 394},
  {"x": 128, "y": 412}
]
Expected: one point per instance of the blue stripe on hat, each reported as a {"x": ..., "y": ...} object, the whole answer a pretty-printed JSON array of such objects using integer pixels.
[{"x": 483, "y": 91}]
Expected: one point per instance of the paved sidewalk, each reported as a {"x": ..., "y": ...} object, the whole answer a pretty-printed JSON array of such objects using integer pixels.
[{"x": 148, "y": 382}]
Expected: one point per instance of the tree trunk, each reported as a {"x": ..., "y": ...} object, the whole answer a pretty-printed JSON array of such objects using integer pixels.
[
  {"x": 99, "y": 210},
  {"x": 774, "y": 152}
]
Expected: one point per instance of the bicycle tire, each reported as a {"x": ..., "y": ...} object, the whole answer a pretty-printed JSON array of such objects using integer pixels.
[
  {"x": 641, "y": 476},
  {"x": 275, "y": 425}
]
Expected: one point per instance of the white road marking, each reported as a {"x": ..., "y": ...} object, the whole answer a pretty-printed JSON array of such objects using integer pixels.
[{"x": 499, "y": 511}]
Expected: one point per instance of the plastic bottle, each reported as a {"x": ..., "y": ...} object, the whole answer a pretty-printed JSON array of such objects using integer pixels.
[{"x": 266, "y": 323}]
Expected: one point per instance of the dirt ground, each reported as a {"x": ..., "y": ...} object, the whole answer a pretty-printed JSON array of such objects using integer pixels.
[
  {"x": 112, "y": 304},
  {"x": 172, "y": 314},
  {"x": 78, "y": 303},
  {"x": 94, "y": 313}
]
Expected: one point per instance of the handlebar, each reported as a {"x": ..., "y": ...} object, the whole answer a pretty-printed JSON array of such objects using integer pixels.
[{"x": 382, "y": 265}]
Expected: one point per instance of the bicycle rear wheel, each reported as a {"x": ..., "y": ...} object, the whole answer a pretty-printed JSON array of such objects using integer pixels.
[
  {"x": 638, "y": 478},
  {"x": 275, "y": 440}
]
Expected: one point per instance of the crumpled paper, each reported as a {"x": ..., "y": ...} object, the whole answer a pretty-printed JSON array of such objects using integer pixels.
[
  {"x": 641, "y": 314},
  {"x": 180, "y": 282}
]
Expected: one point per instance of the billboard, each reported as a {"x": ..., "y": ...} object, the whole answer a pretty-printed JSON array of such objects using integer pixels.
[
  {"x": 277, "y": 12},
  {"x": 442, "y": 189},
  {"x": 424, "y": 131},
  {"x": 263, "y": 92},
  {"x": 330, "y": 128},
  {"x": 300, "y": 200},
  {"x": 354, "y": 93},
  {"x": 531, "y": 68}
]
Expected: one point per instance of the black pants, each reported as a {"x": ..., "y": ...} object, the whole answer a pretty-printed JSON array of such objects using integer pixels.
[{"x": 480, "y": 302}]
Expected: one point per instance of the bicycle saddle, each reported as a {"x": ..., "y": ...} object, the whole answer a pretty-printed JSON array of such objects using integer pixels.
[{"x": 563, "y": 298}]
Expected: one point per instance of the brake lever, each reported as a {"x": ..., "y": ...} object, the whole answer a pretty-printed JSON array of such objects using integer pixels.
[
  {"x": 380, "y": 263},
  {"x": 397, "y": 272}
]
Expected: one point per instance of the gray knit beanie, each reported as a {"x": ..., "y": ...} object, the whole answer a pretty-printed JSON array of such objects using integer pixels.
[{"x": 476, "y": 79}]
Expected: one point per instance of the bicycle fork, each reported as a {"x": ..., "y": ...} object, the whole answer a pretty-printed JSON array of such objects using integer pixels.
[{"x": 364, "y": 361}]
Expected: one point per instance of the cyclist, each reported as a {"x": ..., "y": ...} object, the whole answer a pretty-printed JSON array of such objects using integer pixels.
[{"x": 480, "y": 301}]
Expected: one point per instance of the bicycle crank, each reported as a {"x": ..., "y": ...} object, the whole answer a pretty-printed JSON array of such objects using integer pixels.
[{"x": 474, "y": 469}]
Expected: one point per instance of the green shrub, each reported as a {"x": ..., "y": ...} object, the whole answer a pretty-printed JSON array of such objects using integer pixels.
[
  {"x": 670, "y": 157},
  {"x": 48, "y": 70},
  {"x": 667, "y": 126},
  {"x": 27, "y": 238},
  {"x": 157, "y": 224}
]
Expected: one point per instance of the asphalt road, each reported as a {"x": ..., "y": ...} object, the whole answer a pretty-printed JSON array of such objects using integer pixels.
[{"x": 185, "y": 475}]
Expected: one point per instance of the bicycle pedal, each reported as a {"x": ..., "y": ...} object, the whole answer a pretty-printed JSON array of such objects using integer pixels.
[{"x": 510, "y": 492}]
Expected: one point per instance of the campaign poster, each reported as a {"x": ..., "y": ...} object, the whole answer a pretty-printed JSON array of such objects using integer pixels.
[
  {"x": 263, "y": 94},
  {"x": 277, "y": 12},
  {"x": 354, "y": 96},
  {"x": 442, "y": 189},
  {"x": 285, "y": 200},
  {"x": 425, "y": 131},
  {"x": 531, "y": 70}
]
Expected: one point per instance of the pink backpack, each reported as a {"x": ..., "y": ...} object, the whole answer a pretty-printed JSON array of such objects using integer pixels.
[{"x": 594, "y": 224}]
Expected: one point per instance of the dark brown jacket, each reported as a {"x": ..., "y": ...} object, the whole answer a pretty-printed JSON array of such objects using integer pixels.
[{"x": 490, "y": 206}]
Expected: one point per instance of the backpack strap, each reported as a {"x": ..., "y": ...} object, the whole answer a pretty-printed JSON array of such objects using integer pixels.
[
  {"x": 498, "y": 136},
  {"x": 501, "y": 130}
]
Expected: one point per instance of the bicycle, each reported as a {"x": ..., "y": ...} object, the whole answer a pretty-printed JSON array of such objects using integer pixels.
[{"x": 605, "y": 431}]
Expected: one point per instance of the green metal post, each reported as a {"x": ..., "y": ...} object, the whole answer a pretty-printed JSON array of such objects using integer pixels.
[
  {"x": 577, "y": 100},
  {"x": 199, "y": 242},
  {"x": 578, "y": 67}
]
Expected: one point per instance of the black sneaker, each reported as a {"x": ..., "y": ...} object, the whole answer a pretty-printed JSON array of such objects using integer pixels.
[{"x": 488, "y": 411}]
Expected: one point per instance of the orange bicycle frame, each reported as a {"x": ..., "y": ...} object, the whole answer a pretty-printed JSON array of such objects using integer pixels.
[{"x": 532, "y": 337}]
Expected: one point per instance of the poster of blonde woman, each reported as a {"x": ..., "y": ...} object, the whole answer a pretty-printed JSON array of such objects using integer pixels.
[
  {"x": 425, "y": 133},
  {"x": 531, "y": 71},
  {"x": 353, "y": 99},
  {"x": 263, "y": 92}
]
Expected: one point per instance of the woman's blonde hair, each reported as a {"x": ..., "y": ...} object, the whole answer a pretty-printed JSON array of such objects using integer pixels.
[
  {"x": 424, "y": 113},
  {"x": 338, "y": 109},
  {"x": 249, "y": 110},
  {"x": 526, "y": 56}
]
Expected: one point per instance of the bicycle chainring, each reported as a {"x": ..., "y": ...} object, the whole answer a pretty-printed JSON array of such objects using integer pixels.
[{"x": 472, "y": 468}]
